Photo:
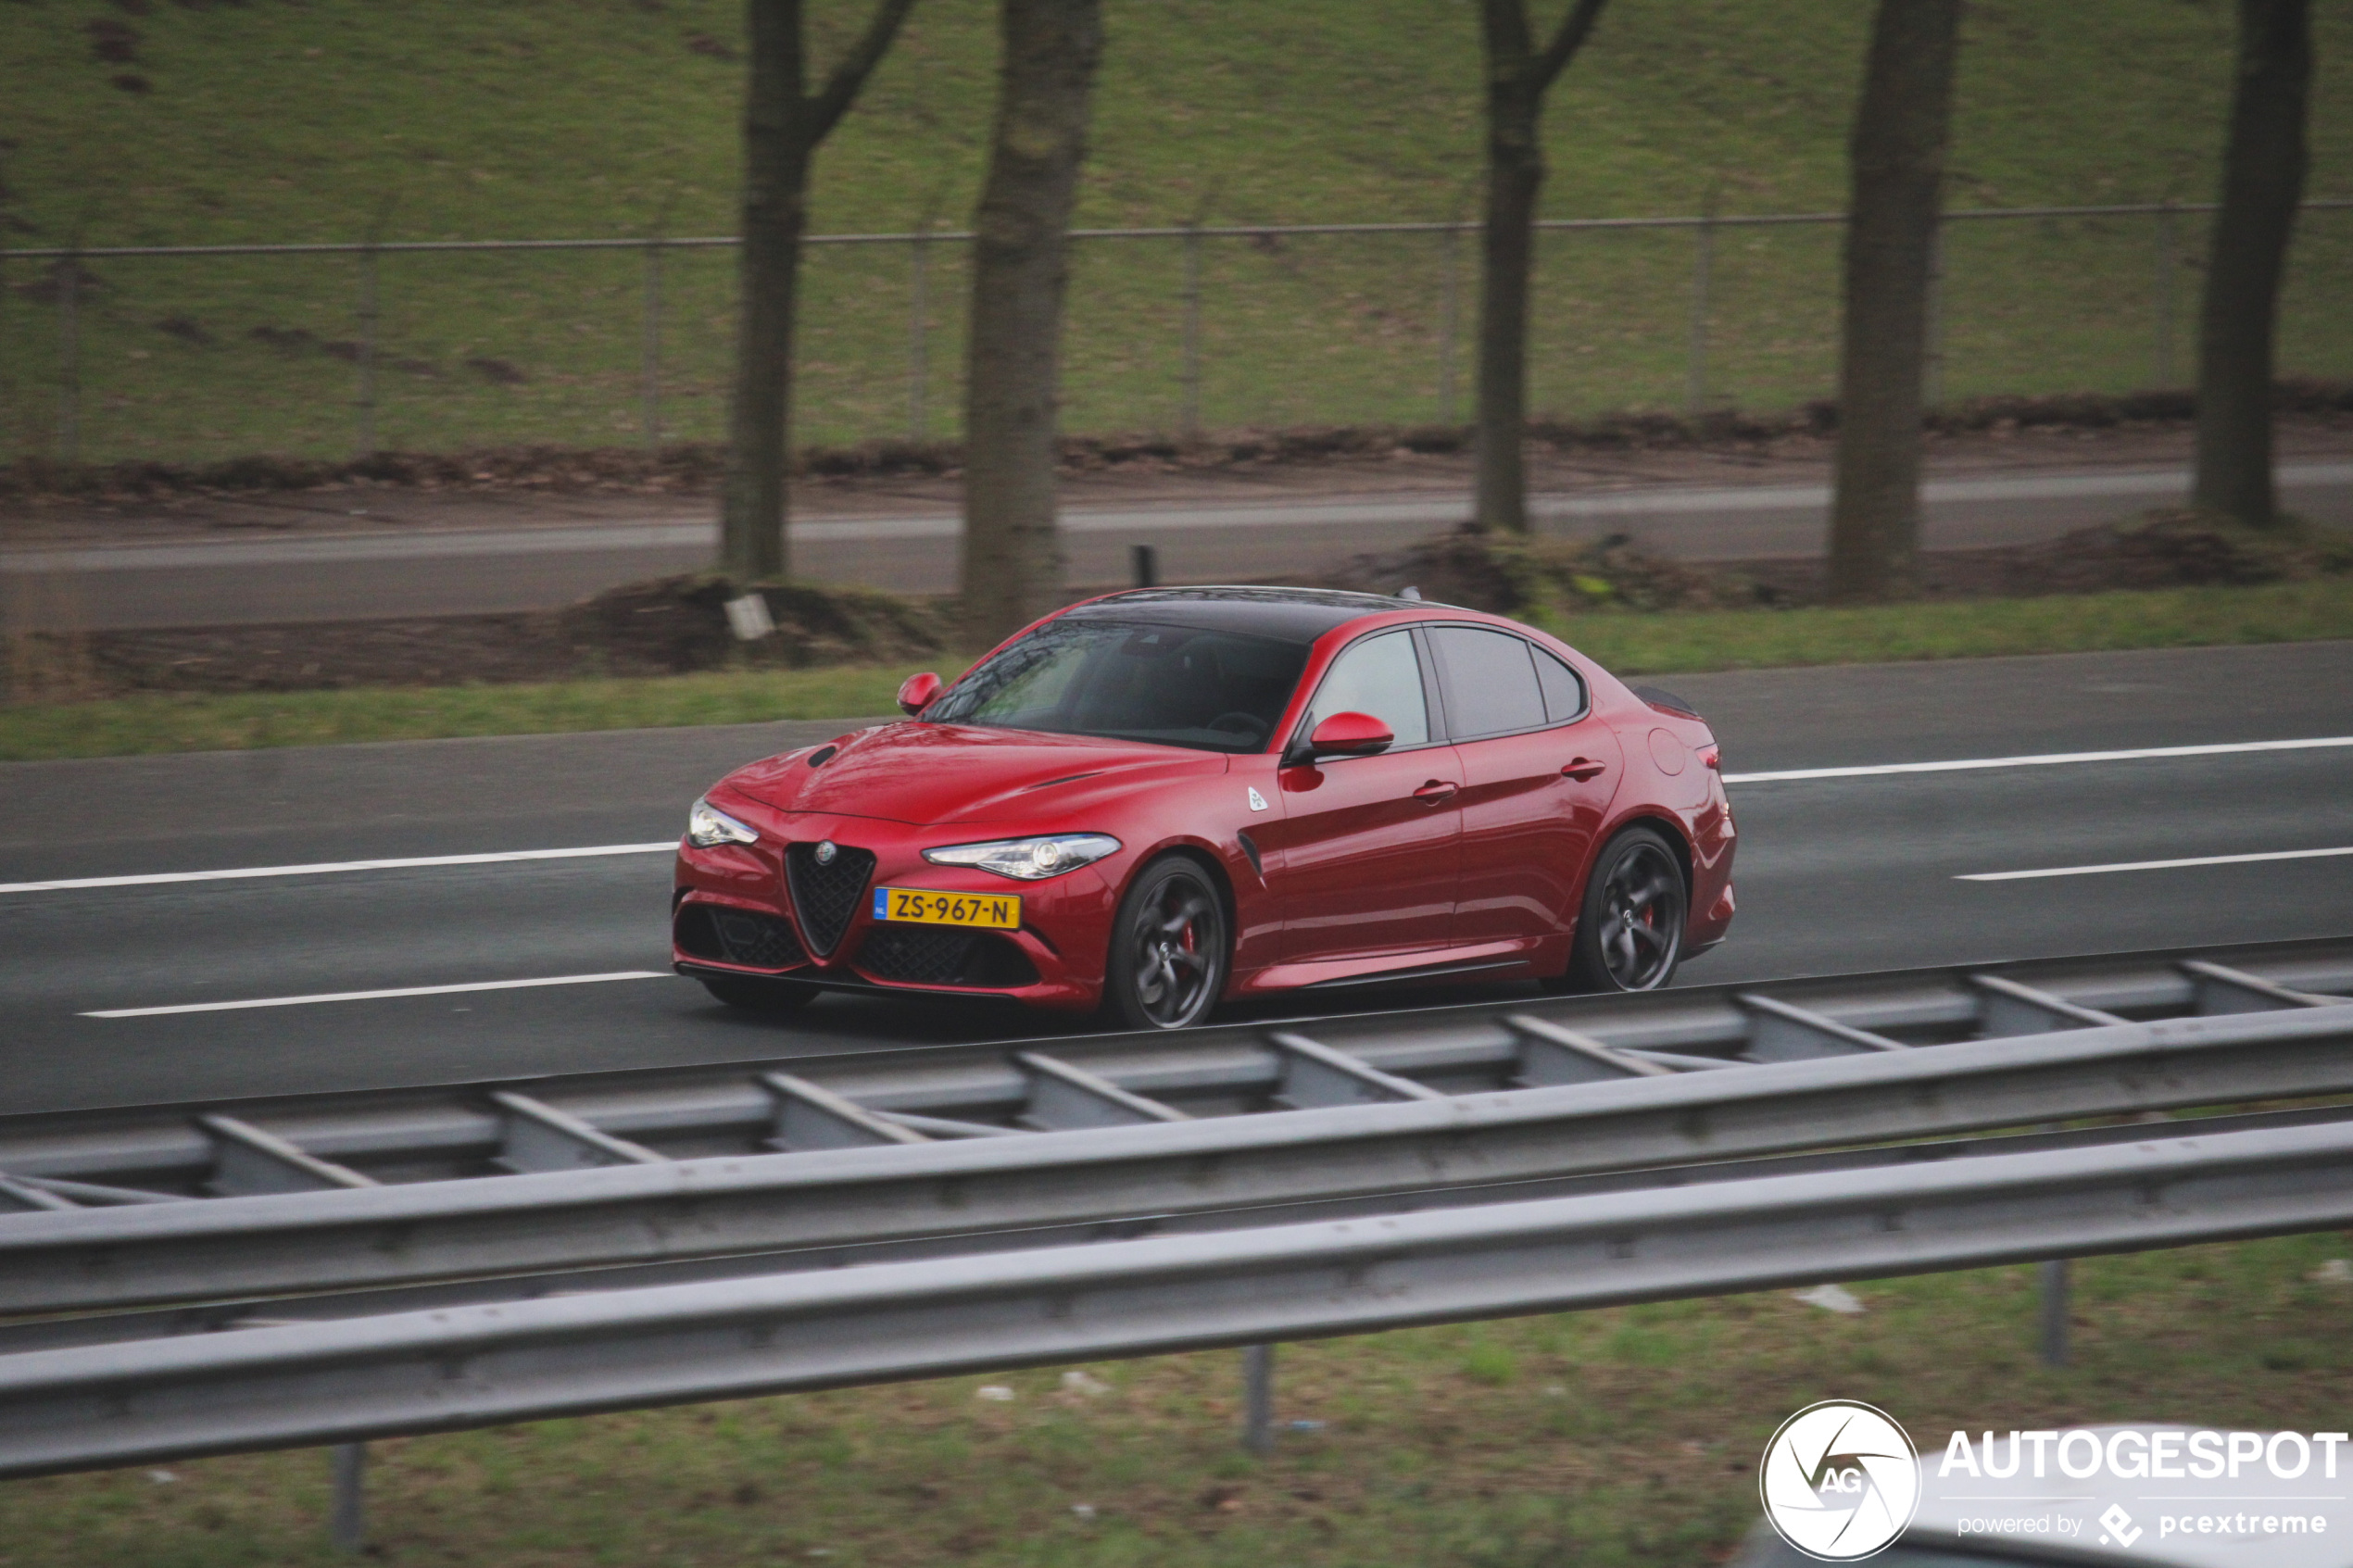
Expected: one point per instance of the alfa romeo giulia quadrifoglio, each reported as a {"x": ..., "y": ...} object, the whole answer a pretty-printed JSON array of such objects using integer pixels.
[{"x": 1158, "y": 800}]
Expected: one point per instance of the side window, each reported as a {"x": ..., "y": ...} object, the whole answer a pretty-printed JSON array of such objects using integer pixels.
[
  {"x": 1563, "y": 688},
  {"x": 1490, "y": 682},
  {"x": 1382, "y": 677}
]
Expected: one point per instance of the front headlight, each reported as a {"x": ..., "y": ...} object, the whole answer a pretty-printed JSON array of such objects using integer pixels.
[
  {"x": 707, "y": 825},
  {"x": 1028, "y": 859}
]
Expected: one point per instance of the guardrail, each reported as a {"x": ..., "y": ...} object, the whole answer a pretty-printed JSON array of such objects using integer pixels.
[
  {"x": 472, "y": 1366},
  {"x": 214, "y": 1316},
  {"x": 1401, "y": 1103}
]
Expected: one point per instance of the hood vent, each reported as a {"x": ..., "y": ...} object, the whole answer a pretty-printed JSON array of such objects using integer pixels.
[{"x": 1067, "y": 778}]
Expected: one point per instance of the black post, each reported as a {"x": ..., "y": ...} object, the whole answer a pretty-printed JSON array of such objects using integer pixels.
[
  {"x": 2055, "y": 1312},
  {"x": 347, "y": 1526},
  {"x": 1258, "y": 1398},
  {"x": 1147, "y": 566}
]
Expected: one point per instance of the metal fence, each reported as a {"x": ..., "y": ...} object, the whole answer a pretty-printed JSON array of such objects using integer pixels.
[{"x": 220, "y": 350}]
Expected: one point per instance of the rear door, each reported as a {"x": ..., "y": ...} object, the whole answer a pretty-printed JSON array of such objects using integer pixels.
[
  {"x": 1539, "y": 772},
  {"x": 1369, "y": 843}
]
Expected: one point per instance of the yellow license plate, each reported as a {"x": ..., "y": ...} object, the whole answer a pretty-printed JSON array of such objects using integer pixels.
[{"x": 996, "y": 911}]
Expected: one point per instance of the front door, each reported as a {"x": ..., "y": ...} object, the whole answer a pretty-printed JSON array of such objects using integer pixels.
[
  {"x": 1539, "y": 772},
  {"x": 1369, "y": 843}
]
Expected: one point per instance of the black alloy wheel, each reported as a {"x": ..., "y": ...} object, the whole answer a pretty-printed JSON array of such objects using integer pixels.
[
  {"x": 1169, "y": 949},
  {"x": 754, "y": 994},
  {"x": 1630, "y": 935}
]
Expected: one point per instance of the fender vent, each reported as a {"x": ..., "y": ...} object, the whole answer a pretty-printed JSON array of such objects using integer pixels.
[
  {"x": 739, "y": 937},
  {"x": 942, "y": 955}
]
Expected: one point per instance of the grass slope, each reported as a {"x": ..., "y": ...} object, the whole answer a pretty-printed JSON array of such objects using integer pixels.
[
  {"x": 1628, "y": 643},
  {"x": 1622, "y": 1436},
  {"x": 272, "y": 120}
]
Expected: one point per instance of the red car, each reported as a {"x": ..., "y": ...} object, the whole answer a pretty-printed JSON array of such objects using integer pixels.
[{"x": 1156, "y": 800}]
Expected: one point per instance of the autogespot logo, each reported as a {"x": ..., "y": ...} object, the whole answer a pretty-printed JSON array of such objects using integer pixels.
[{"x": 1840, "y": 1480}]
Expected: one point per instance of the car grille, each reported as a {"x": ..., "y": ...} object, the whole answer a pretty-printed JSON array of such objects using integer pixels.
[
  {"x": 942, "y": 955},
  {"x": 737, "y": 936},
  {"x": 826, "y": 896}
]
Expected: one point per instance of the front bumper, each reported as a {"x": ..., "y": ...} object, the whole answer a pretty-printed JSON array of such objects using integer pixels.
[{"x": 734, "y": 912}]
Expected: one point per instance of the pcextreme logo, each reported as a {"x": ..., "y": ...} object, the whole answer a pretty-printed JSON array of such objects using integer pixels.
[{"x": 1840, "y": 1481}]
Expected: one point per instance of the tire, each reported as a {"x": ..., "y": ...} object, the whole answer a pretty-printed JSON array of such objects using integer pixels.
[
  {"x": 1169, "y": 948},
  {"x": 1630, "y": 929},
  {"x": 753, "y": 994}
]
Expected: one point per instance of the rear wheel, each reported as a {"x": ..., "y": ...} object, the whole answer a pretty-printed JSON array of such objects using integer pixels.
[
  {"x": 1629, "y": 933},
  {"x": 1169, "y": 949},
  {"x": 754, "y": 994}
]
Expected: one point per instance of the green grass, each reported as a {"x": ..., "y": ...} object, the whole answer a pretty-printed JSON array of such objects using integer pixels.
[
  {"x": 127, "y": 726},
  {"x": 277, "y": 121},
  {"x": 1622, "y": 1436},
  {"x": 1672, "y": 642},
  {"x": 1628, "y": 643}
]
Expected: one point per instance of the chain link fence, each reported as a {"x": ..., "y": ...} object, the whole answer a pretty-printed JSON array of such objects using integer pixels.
[{"x": 200, "y": 353}]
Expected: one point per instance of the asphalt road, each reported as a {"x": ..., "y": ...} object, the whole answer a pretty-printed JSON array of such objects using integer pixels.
[
  {"x": 453, "y": 572},
  {"x": 1835, "y": 874}
]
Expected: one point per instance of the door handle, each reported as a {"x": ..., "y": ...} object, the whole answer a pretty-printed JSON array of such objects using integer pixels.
[
  {"x": 1583, "y": 768},
  {"x": 1437, "y": 792}
]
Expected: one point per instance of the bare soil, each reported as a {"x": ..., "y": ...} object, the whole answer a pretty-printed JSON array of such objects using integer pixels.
[
  {"x": 557, "y": 486},
  {"x": 678, "y": 625},
  {"x": 2159, "y": 549},
  {"x": 671, "y": 625}
]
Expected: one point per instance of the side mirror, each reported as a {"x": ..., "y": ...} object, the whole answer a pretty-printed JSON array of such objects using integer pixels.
[
  {"x": 1349, "y": 734},
  {"x": 915, "y": 694}
]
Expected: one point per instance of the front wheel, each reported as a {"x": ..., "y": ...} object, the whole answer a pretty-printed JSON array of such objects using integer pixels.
[
  {"x": 754, "y": 994},
  {"x": 1169, "y": 949},
  {"x": 1629, "y": 932}
]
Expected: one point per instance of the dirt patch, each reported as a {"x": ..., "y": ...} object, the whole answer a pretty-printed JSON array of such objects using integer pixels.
[
  {"x": 2161, "y": 550},
  {"x": 679, "y": 626},
  {"x": 694, "y": 468},
  {"x": 1487, "y": 571},
  {"x": 671, "y": 626},
  {"x": 675, "y": 626}
]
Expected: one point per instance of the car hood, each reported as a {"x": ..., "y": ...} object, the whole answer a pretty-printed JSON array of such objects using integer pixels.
[{"x": 925, "y": 773}]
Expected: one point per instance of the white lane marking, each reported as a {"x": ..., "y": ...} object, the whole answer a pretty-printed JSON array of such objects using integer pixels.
[
  {"x": 329, "y": 868},
  {"x": 2160, "y": 865},
  {"x": 326, "y": 868},
  {"x": 2048, "y": 759},
  {"x": 378, "y": 995}
]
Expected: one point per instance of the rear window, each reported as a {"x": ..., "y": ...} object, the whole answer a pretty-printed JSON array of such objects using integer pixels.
[
  {"x": 1563, "y": 688},
  {"x": 1490, "y": 682}
]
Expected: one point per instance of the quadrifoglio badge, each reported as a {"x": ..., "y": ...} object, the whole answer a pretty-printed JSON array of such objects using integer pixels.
[{"x": 1842, "y": 1481}]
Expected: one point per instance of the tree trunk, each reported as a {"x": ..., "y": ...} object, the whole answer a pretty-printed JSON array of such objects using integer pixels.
[
  {"x": 2262, "y": 182},
  {"x": 1518, "y": 75},
  {"x": 751, "y": 532},
  {"x": 1012, "y": 568},
  {"x": 1898, "y": 154},
  {"x": 783, "y": 125},
  {"x": 1515, "y": 178}
]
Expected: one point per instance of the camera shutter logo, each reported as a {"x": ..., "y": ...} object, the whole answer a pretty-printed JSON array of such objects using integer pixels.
[{"x": 1840, "y": 1481}]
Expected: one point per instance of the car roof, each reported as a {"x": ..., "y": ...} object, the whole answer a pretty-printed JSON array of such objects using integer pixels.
[{"x": 1291, "y": 615}]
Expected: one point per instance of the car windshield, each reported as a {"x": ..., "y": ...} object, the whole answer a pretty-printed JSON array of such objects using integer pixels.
[{"x": 1173, "y": 686}]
